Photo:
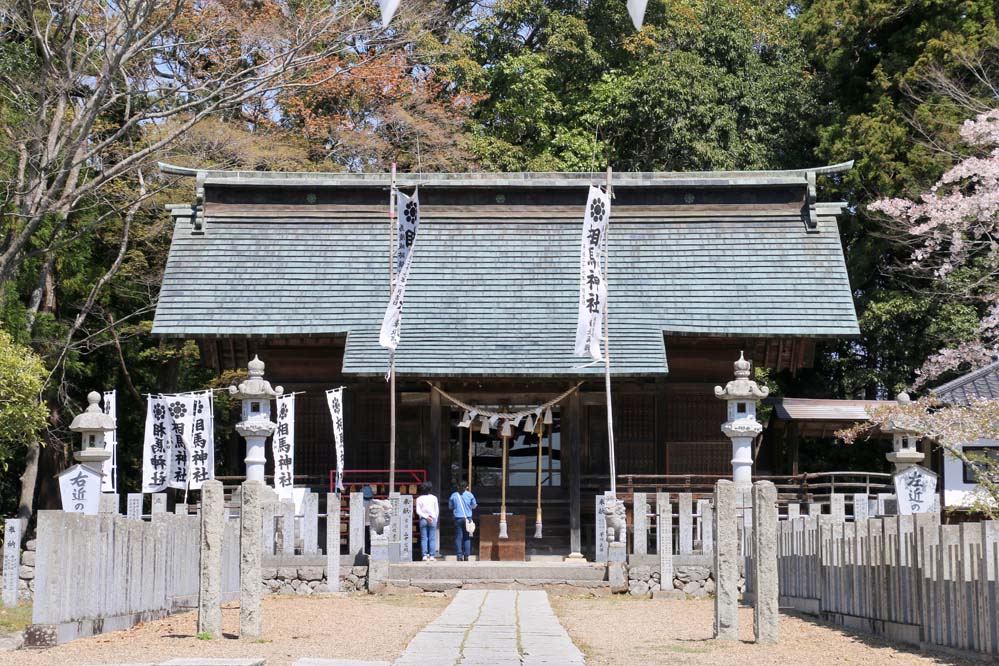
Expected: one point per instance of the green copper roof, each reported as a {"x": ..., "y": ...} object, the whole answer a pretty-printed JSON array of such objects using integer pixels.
[{"x": 493, "y": 289}]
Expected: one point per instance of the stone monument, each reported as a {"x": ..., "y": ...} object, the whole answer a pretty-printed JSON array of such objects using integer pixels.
[{"x": 742, "y": 426}]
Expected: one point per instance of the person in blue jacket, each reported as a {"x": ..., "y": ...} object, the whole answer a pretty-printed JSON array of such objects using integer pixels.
[{"x": 462, "y": 503}]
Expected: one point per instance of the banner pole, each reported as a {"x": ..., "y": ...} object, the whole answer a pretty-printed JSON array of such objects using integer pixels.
[
  {"x": 541, "y": 442},
  {"x": 471, "y": 446},
  {"x": 392, "y": 260},
  {"x": 607, "y": 378},
  {"x": 502, "y": 522}
]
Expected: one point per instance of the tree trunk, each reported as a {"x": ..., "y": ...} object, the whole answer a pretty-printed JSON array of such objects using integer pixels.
[{"x": 28, "y": 482}]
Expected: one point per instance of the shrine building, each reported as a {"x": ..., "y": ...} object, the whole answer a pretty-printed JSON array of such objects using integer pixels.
[{"x": 294, "y": 267}]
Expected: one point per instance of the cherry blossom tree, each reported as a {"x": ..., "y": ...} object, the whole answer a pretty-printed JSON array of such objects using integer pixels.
[{"x": 954, "y": 233}]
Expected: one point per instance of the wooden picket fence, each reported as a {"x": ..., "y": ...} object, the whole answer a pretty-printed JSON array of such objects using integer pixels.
[
  {"x": 101, "y": 573},
  {"x": 906, "y": 577}
]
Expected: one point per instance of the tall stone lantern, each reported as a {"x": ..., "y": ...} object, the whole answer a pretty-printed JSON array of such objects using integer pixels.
[
  {"x": 94, "y": 425},
  {"x": 256, "y": 426},
  {"x": 742, "y": 426},
  {"x": 905, "y": 441}
]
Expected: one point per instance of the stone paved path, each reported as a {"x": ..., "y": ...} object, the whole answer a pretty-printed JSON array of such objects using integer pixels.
[{"x": 494, "y": 628}]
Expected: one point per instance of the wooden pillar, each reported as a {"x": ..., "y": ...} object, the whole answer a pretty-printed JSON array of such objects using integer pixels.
[
  {"x": 792, "y": 445},
  {"x": 574, "y": 441},
  {"x": 436, "y": 432},
  {"x": 661, "y": 454}
]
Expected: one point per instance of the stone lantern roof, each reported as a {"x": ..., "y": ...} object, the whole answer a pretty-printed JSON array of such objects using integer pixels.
[
  {"x": 900, "y": 424},
  {"x": 93, "y": 419},
  {"x": 256, "y": 387},
  {"x": 742, "y": 387}
]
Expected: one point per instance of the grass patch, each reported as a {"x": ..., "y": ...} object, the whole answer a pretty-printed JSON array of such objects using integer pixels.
[
  {"x": 683, "y": 649},
  {"x": 205, "y": 636},
  {"x": 16, "y": 618}
]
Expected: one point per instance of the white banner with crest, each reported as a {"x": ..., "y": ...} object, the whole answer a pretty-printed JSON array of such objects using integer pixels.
[
  {"x": 201, "y": 440},
  {"x": 109, "y": 480},
  {"x": 592, "y": 285},
  {"x": 334, "y": 398},
  {"x": 181, "y": 411},
  {"x": 157, "y": 446},
  {"x": 283, "y": 447},
  {"x": 408, "y": 211}
]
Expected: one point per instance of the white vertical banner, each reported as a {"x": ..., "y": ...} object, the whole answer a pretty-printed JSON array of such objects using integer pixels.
[
  {"x": 334, "y": 398},
  {"x": 109, "y": 482},
  {"x": 592, "y": 285},
  {"x": 283, "y": 447},
  {"x": 408, "y": 209},
  {"x": 156, "y": 446},
  {"x": 181, "y": 412},
  {"x": 202, "y": 444}
]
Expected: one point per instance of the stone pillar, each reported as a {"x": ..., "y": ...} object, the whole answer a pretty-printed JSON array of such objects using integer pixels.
[
  {"x": 333, "y": 542},
  {"x": 378, "y": 562},
  {"x": 250, "y": 533},
  {"x": 742, "y": 426},
  {"x": 11, "y": 560},
  {"x": 109, "y": 503},
  {"x": 766, "y": 591},
  {"x": 861, "y": 507},
  {"x": 288, "y": 527},
  {"x": 685, "y": 507},
  {"x": 210, "y": 586},
  {"x": 406, "y": 528},
  {"x": 159, "y": 503},
  {"x": 355, "y": 535},
  {"x": 707, "y": 526},
  {"x": 133, "y": 506},
  {"x": 600, "y": 530},
  {"x": 268, "y": 513},
  {"x": 641, "y": 523},
  {"x": 726, "y": 562},
  {"x": 664, "y": 540},
  {"x": 837, "y": 506},
  {"x": 310, "y": 524}
]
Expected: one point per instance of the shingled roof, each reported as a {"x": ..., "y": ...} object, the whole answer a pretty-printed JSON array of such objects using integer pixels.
[
  {"x": 982, "y": 383},
  {"x": 494, "y": 283}
]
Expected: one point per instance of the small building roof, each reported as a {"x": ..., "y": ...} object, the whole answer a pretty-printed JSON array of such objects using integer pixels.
[
  {"x": 982, "y": 383},
  {"x": 494, "y": 283},
  {"x": 811, "y": 409}
]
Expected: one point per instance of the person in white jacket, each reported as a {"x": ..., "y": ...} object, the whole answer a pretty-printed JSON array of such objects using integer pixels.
[{"x": 429, "y": 511}]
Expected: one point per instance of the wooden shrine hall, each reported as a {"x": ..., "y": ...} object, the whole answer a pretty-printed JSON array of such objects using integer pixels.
[{"x": 294, "y": 267}]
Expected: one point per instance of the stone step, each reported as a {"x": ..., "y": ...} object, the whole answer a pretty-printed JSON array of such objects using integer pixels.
[
  {"x": 484, "y": 571},
  {"x": 445, "y": 584}
]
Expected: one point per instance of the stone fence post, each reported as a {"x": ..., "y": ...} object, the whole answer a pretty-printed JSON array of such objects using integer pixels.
[
  {"x": 210, "y": 587},
  {"x": 766, "y": 589},
  {"x": 726, "y": 562},
  {"x": 250, "y": 534}
]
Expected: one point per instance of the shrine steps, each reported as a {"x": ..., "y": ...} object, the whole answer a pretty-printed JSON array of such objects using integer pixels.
[{"x": 571, "y": 578}]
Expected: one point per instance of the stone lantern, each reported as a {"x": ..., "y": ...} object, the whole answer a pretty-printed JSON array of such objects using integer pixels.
[
  {"x": 742, "y": 426},
  {"x": 94, "y": 425},
  {"x": 256, "y": 426},
  {"x": 905, "y": 441}
]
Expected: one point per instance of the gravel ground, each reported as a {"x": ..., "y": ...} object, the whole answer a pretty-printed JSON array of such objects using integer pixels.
[
  {"x": 624, "y": 631},
  {"x": 358, "y": 627}
]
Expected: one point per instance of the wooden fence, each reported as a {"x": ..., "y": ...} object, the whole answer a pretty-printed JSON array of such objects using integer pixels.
[
  {"x": 906, "y": 577},
  {"x": 102, "y": 573}
]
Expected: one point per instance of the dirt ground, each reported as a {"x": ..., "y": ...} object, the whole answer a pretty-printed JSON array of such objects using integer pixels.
[
  {"x": 358, "y": 627},
  {"x": 623, "y": 631}
]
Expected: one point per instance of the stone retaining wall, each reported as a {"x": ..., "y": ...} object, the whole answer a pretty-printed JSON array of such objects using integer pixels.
[
  {"x": 689, "y": 582},
  {"x": 309, "y": 580},
  {"x": 26, "y": 584}
]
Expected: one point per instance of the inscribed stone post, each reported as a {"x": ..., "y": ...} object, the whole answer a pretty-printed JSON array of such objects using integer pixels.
[
  {"x": 333, "y": 542},
  {"x": 765, "y": 562},
  {"x": 250, "y": 531},
  {"x": 793, "y": 511},
  {"x": 861, "y": 508},
  {"x": 600, "y": 530},
  {"x": 108, "y": 503},
  {"x": 133, "y": 506},
  {"x": 395, "y": 528},
  {"x": 815, "y": 508},
  {"x": 406, "y": 528},
  {"x": 210, "y": 587},
  {"x": 288, "y": 527},
  {"x": 11, "y": 560},
  {"x": 686, "y": 523},
  {"x": 726, "y": 562},
  {"x": 707, "y": 526},
  {"x": 356, "y": 527},
  {"x": 159, "y": 503},
  {"x": 837, "y": 506},
  {"x": 268, "y": 512},
  {"x": 664, "y": 539},
  {"x": 310, "y": 524},
  {"x": 641, "y": 529}
]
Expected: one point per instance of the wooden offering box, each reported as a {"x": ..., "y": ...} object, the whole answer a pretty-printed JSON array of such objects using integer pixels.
[{"x": 492, "y": 548}]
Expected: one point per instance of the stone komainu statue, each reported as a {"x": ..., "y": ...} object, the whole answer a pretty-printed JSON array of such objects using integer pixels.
[
  {"x": 617, "y": 520},
  {"x": 379, "y": 515}
]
